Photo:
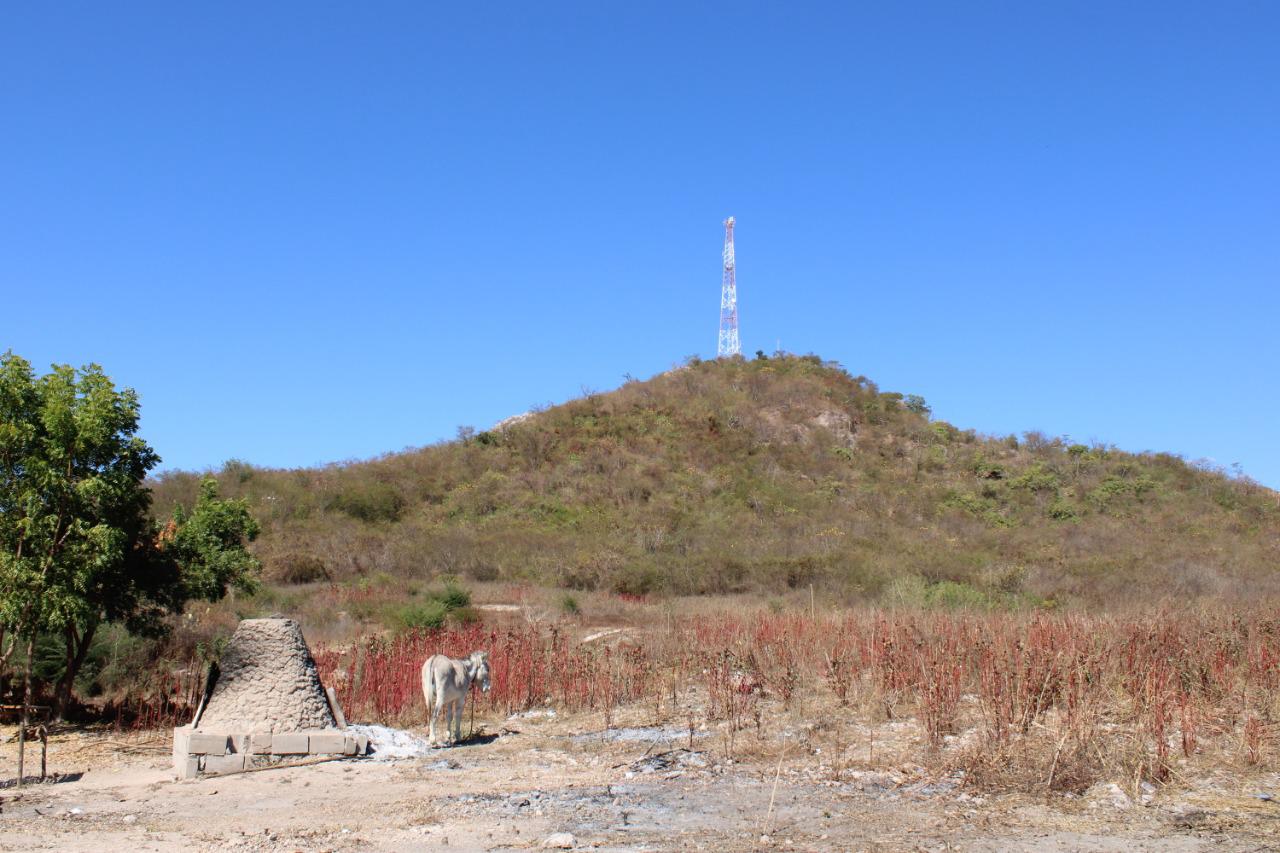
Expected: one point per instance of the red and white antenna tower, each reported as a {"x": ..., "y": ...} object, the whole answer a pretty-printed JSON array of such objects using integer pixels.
[{"x": 728, "y": 345}]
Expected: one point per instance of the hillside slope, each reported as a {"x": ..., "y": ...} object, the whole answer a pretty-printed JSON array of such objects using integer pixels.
[{"x": 761, "y": 476}]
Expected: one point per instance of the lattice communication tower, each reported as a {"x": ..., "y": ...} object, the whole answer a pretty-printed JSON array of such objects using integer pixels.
[{"x": 728, "y": 344}]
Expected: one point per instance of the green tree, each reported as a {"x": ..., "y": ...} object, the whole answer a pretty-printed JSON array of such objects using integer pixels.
[
  {"x": 915, "y": 403},
  {"x": 78, "y": 545}
]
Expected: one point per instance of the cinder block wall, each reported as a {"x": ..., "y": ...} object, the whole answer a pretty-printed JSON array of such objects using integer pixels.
[{"x": 197, "y": 753}]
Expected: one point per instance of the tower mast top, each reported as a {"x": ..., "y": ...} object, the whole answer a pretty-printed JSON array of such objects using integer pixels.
[{"x": 728, "y": 344}]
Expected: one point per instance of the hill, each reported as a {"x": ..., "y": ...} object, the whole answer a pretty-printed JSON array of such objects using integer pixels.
[{"x": 762, "y": 476}]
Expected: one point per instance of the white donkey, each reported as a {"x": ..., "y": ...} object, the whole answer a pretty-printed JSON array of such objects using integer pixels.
[{"x": 445, "y": 683}]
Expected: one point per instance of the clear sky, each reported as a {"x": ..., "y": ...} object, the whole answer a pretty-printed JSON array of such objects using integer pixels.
[{"x": 308, "y": 232}]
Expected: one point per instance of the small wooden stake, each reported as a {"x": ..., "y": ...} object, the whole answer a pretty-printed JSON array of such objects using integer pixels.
[
  {"x": 768, "y": 818},
  {"x": 22, "y": 743},
  {"x": 338, "y": 717},
  {"x": 26, "y": 710}
]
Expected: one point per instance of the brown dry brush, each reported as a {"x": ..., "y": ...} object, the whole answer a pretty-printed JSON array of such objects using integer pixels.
[
  {"x": 1060, "y": 695},
  {"x": 768, "y": 476},
  {"x": 1164, "y": 679}
]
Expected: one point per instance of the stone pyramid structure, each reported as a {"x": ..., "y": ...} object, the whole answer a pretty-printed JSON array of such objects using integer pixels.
[
  {"x": 266, "y": 682},
  {"x": 264, "y": 705}
]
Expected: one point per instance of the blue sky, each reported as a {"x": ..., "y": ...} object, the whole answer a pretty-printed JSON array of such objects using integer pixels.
[{"x": 307, "y": 233}]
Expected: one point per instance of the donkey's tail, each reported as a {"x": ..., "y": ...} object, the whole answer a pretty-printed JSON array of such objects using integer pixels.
[{"x": 428, "y": 684}]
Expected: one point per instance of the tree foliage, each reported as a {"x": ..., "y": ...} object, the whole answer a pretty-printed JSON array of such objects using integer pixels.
[{"x": 78, "y": 545}]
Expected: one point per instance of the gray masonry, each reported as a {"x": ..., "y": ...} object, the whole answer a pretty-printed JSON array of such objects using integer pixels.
[
  {"x": 265, "y": 706},
  {"x": 267, "y": 682}
]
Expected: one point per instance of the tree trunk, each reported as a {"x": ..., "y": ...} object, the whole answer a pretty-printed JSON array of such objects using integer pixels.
[
  {"x": 26, "y": 709},
  {"x": 77, "y": 650}
]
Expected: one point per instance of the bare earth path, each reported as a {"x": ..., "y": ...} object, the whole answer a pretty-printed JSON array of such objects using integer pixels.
[{"x": 515, "y": 791}]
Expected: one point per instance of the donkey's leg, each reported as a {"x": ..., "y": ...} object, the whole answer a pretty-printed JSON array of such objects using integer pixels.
[
  {"x": 435, "y": 718},
  {"x": 457, "y": 721}
]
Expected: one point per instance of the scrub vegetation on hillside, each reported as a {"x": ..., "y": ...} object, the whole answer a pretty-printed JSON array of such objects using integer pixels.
[{"x": 762, "y": 476}]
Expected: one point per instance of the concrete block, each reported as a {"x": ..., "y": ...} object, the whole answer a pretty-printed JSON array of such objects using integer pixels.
[
  {"x": 188, "y": 767},
  {"x": 201, "y": 743},
  {"x": 181, "y": 741},
  {"x": 261, "y": 744},
  {"x": 240, "y": 743},
  {"x": 327, "y": 743},
  {"x": 289, "y": 744},
  {"x": 349, "y": 745},
  {"x": 362, "y": 744},
  {"x": 215, "y": 764}
]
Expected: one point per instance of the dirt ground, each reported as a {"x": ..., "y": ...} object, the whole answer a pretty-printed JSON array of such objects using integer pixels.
[{"x": 623, "y": 789}]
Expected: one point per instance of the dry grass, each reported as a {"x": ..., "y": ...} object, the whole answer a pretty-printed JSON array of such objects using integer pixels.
[{"x": 1026, "y": 702}]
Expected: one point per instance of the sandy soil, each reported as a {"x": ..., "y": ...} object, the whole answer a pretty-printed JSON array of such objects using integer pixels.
[{"x": 634, "y": 789}]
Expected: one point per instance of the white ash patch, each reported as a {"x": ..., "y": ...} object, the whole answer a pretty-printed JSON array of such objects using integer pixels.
[{"x": 387, "y": 744}]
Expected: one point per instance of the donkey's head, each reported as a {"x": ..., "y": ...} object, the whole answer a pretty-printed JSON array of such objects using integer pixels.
[{"x": 480, "y": 669}]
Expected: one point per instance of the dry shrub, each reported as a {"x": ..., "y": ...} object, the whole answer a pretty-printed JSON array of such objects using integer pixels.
[
  {"x": 1034, "y": 689},
  {"x": 1039, "y": 702},
  {"x": 296, "y": 568},
  {"x": 1029, "y": 764}
]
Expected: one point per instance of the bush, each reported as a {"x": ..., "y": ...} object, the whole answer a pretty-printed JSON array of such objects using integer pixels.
[
  {"x": 944, "y": 431},
  {"x": 915, "y": 403},
  {"x": 1037, "y": 478},
  {"x": 637, "y": 580},
  {"x": 1113, "y": 488},
  {"x": 453, "y": 596},
  {"x": 452, "y": 603},
  {"x": 983, "y": 468},
  {"x": 371, "y": 502},
  {"x": 909, "y": 590},
  {"x": 295, "y": 568},
  {"x": 464, "y": 616},
  {"x": 1062, "y": 510},
  {"x": 569, "y": 606},
  {"x": 981, "y": 507},
  {"x": 423, "y": 616},
  {"x": 951, "y": 595},
  {"x": 482, "y": 570}
]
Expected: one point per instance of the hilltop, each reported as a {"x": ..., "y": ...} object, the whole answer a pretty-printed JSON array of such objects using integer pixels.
[{"x": 761, "y": 476}]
